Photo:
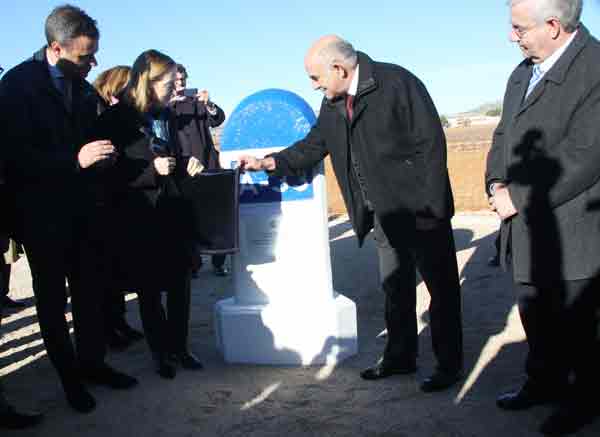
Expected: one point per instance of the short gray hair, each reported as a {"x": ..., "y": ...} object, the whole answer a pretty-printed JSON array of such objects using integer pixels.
[
  {"x": 568, "y": 12},
  {"x": 339, "y": 51},
  {"x": 67, "y": 22}
]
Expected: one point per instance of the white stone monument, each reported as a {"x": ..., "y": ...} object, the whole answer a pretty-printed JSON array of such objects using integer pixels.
[{"x": 285, "y": 310}]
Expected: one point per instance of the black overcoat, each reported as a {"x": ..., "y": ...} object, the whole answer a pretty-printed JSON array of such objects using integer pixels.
[
  {"x": 40, "y": 143},
  {"x": 547, "y": 149},
  {"x": 153, "y": 235},
  {"x": 193, "y": 123},
  {"x": 400, "y": 146}
]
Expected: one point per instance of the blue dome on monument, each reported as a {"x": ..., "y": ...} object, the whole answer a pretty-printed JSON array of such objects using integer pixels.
[{"x": 268, "y": 118}]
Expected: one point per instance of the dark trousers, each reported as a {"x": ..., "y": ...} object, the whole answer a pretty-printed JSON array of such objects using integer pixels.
[
  {"x": 73, "y": 249},
  {"x": 434, "y": 255},
  {"x": 114, "y": 309},
  {"x": 562, "y": 325},
  {"x": 166, "y": 332}
]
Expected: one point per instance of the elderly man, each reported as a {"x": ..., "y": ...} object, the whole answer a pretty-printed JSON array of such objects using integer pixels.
[
  {"x": 46, "y": 108},
  {"x": 387, "y": 146},
  {"x": 543, "y": 174}
]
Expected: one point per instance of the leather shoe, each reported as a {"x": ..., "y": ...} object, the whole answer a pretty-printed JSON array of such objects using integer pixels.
[
  {"x": 526, "y": 397},
  {"x": 109, "y": 377},
  {"x": 10, "y": 418},
  {"x": 385, "y": 368},
  {"x": 221, "y": 271},
  {"x": 129, "y": 332},
  {"x": 188, "y": 361},
  {"x": 440, "y": 380},
  {"x": 79, "y": 398},
  {"x": 567, "y": 420},
  {"x": 11, "y": 303},
  {"x": 117, "y": 341}
]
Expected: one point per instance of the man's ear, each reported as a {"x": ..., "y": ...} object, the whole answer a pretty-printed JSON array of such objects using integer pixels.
[
  {"x": 56, "y": 48},
  {"x": 340, "y": 70},
  {"x": 555, "y": 27}
]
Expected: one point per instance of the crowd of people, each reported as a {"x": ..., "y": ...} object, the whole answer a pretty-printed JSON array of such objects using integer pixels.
[
  {"x": 74, "y": 160},
  {"x": 92, "y": 191}
]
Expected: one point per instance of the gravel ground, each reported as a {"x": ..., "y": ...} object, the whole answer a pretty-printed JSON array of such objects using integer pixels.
[{"x": 245, "y": 400}]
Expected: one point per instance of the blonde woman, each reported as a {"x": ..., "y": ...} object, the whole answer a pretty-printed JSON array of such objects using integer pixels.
[
  {"x": 111, "y": 83},
  {"x": 155, "y": 228}
]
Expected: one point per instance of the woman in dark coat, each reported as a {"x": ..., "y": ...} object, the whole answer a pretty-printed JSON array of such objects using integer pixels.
[
  {"x": 154, "y": 230},
  {"x": 119, "y": 334}
]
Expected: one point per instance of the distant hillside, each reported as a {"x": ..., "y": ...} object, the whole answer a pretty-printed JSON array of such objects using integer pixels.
[{"x": 486, "y": 107}]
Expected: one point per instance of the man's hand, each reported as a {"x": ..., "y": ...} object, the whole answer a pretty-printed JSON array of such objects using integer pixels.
[
  {"x": 252, "y": 163},
  {"x": 194, "y": 167},
  {"x": 502, "y": 203},
  {"x": 164, "y": 166},
  {"x": 96, "y": 151}
]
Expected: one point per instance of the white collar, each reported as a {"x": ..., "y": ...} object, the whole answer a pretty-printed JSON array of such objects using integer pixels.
[
  {"x": 354, "y": 84},
  {"x": 545, "y": 66}
]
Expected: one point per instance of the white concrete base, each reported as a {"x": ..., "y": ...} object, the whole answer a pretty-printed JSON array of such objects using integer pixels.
[{"x": 323, "y": 333}]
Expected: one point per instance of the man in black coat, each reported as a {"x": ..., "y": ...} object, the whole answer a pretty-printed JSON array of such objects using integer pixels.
[
  {"x": 46, "y": 110},
  {"x": 388, "y": 150},
  {"x": 543, "y": 173}
]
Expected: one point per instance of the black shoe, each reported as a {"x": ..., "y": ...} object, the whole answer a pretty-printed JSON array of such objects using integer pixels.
[
  {"x": 528, "y": 396},
  {"x": 385, "y": 368},
  {"x": 109, "y": 377},
  {"x": 129, "y": 332},
  {"x": 221, "y": 271},
  {"x": 10, "y": 418},
  {"x": 10, "y": 303},
  {"x": 79, "y": 398},
  {"x": 567, "y": 420},
  {"x": 117, "y": 341},
  {"x": 188, "y": 361},
  {"x": 166, "y": 368},
  {"x": 440, "y": 380}
]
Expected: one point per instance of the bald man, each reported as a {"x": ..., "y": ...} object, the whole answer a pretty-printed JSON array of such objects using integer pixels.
[{"x": 388, "y": 150}]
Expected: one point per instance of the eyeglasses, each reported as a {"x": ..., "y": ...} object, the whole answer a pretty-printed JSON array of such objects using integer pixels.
[{"x": 520, "y": 32}]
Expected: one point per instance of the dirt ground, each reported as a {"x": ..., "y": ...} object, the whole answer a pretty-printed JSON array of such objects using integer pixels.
[{"x": 245, "y": 400}]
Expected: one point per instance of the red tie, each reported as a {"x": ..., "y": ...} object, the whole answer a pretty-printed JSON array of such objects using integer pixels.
[{"x": 349, "y": 108}]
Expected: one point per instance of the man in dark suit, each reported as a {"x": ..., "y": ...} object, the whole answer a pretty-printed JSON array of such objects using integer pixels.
[
  {"x": 45, "y": 112},
  {"x": 543, "y": 174},
  {"x": 388, "y": 150}
]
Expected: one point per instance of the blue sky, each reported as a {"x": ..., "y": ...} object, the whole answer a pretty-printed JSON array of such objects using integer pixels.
[{"x": 233, "y": 48}]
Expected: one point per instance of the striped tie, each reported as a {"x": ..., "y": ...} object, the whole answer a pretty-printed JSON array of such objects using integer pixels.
[{"x": 536, "y": 75}]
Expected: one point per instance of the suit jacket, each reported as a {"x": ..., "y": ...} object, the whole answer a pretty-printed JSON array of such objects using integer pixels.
[
  {"x": 41, "y": 140},
  {"x": 547, "y": 149},
  {"x": 397, "y": 138},
  {"x": 193, "y": 123}
]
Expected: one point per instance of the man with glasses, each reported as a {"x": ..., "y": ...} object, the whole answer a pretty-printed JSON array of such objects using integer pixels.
[
  {"x": 47, "y": 109},
  {"x": 543, "y": 176}
]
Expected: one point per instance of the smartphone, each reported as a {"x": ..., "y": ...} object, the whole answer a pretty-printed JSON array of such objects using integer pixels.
[{"x": 190, "y": 92}]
